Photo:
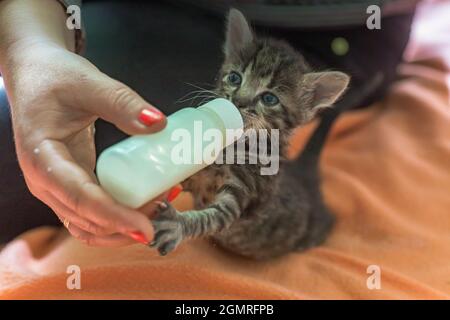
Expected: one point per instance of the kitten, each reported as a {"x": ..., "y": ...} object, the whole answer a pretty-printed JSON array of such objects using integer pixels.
[{"x": 254, "y": 215}]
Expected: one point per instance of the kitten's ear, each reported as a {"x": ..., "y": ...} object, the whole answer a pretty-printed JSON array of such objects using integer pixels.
[
  {"x": 327, "y": 87},
  {"x": 238, "y": 34}
]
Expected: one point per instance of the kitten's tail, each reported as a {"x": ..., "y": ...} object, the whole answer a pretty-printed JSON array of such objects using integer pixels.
[{"x": 309, "y": 158}]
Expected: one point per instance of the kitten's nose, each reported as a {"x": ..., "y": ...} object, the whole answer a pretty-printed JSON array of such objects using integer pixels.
[{"x": 240, "y": 103}]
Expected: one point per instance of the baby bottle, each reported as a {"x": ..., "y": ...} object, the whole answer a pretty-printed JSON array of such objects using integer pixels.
[{"x": 138, "y": 169}]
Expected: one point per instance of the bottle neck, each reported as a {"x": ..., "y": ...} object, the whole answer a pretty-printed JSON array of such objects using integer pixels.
[{"x": 217, "y": 120}]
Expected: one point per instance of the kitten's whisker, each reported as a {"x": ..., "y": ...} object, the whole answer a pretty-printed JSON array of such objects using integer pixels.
[
  {"x": 201, "y": 88},
  {"x": 195, "y": 86},
  {"x": 206, "y": 99},
  {"x": 189, "y": 94},
  {"x": 196, "y": 97},
  {"x": 202, "y": 93},
  {"x": 208, "y": 84},
  {"x": 192, "y": 95}
]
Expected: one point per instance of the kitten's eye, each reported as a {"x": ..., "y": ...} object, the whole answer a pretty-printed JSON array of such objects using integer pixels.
[
  {"x": 269, "y": 99},
  {"x": 234, "y": 78}
]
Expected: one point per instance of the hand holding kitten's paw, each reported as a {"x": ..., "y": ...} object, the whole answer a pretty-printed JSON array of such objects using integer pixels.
[{"x": 168, "y": 228}]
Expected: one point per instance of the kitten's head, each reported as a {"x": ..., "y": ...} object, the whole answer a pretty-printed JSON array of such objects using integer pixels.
[{"x": 270, "y": 82}]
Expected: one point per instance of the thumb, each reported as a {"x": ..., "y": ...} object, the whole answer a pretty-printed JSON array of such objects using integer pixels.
[{"x": 115, "y": 102}]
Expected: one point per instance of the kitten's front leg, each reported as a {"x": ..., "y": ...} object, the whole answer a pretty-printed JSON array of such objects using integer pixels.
[
  {"x": 168, "y": 227},
  {"x": 171, "y": 227}
]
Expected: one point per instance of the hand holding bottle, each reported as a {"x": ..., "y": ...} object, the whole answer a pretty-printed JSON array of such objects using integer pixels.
[{"x": 55, "y": 97}]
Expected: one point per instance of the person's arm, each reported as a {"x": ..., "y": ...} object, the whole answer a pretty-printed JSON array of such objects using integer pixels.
[
  {"x": 55, "y": 97},
  {"x": 26, "y": 21}
]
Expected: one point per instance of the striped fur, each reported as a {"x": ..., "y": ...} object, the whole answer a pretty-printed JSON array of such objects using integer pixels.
[{"x": 254, "y": 215}]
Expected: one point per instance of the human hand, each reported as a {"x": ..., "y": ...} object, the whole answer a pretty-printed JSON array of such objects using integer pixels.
[{"x": 56, "y": 96}]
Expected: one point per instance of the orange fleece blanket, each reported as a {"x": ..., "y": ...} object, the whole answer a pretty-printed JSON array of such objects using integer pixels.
[{"x": 386, "y": 176}]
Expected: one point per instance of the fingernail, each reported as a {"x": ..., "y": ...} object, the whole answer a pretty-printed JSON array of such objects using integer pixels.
[
  {"x": 150, "y": 116},
  {"x": 173, "y": 193},
  {"x": 138, "y": 236}
]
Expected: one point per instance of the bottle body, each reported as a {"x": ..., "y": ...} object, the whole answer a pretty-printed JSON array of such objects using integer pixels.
[{"x": 138, "y": 169}]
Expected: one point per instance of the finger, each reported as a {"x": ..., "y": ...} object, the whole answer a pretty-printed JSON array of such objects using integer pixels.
[
  {"x": 64, "y": 213},
  {"x": 149, "y": 209},
  {"x": 69, "y": 183},
  {"x": 69, "y": 215},
  {"x": 174, "y": 192},
  {"x": 114, "y": 102},
  {"x": 114, "y": 240}
]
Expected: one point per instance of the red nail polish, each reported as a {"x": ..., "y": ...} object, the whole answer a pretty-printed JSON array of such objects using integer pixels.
[
  {"x": 173, "y": 193},
  {"x": 138, "y": 236},
  {"x": 150, "y": 116}
]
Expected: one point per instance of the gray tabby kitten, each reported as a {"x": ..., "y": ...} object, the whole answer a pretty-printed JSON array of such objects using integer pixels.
[{"x": 254, "y": 215}]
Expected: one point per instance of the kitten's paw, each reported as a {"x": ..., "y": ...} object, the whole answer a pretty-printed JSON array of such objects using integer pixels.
[{"x": 168, "y": 229}]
